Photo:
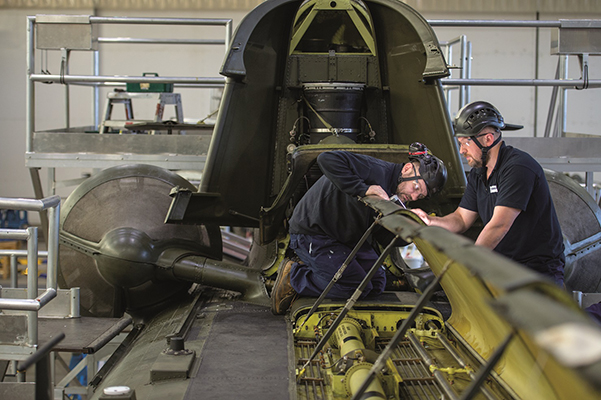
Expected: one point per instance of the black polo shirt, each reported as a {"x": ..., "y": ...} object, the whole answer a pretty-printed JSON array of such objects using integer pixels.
[{"x": 518, "y": 181}]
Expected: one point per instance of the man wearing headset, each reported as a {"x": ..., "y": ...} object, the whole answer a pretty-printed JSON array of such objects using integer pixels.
[
  {"x": 507, "y": 188},
  {"x": 329, "y": 220}
]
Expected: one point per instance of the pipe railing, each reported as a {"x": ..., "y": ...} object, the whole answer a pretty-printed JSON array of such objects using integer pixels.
[
  {"x": 34, "y": 302},
  {"x": 466, "y": 52},
  {"x": 14, "y": 268},
  {"x": 71, "y": 79},
  {"x": 464, "y": 66},
  {"x": 573, "y": 83},
  {"x": 97, "y": 80},
  {"x": 494, "y": 23},
  {"x": 465, "y": 80}
]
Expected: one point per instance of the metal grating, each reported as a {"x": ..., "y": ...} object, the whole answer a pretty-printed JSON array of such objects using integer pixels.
[
  {"x": 312, "y": 386},
  {"x": 418, "y": 382}
]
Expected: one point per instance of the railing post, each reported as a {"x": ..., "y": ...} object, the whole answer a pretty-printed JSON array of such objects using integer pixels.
[
  {"x": 53, "y": 231},
  {"x": 32, "y": 284},
  {"x": 29, "y": 89},
  {"x": 14, "y": 271},
  {"x": 464, "y": 70}
]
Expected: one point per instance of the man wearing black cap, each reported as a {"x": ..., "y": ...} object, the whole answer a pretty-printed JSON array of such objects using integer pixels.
[
  {"x": 329, "y": 220},
  {"x": 507, "y": 188}
]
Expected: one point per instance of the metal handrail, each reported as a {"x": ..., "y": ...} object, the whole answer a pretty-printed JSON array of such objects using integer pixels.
[
  {"x": 14, "y": 255},
  {"x": 21, "y": 253},
  {"x": 161, "y": 41},
  {"x": 592, "y": 83},
  {"x": 465, "y": 81},
  {"x": 465, "y": 66},
  {"x": 495, "y": 23},
  {"x": 96, "y": 80},
  {"x": 34, "y": 302},
  {"x": 162, "y": 21},
  {"x": 206, "y": 82}
]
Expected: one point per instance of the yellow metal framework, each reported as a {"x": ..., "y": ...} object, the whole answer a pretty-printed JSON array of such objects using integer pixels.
[{"x": 355, "y": 10}]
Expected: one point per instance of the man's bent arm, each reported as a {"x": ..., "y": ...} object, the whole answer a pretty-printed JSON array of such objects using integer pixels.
[
  {"x": 496, "y": 229},
  {"x": 347, "y": 171},
  {"x": 375, "y": 190}
]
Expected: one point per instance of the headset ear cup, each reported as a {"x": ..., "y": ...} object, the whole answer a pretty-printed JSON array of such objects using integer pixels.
[
  {"x": 417, "y": 151},
  {"x": 434, "y": 174}
]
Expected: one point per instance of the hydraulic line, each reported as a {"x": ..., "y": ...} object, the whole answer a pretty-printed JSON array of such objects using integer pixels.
[
  {"x": 450, "y": 393},
  {"x": 460, "y": 361}
]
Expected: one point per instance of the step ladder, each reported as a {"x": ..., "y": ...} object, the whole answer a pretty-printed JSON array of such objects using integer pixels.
[{"x": 126, "y": 98}]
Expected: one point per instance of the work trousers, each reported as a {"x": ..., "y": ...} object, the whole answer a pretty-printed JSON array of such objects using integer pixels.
[
  {"x": 552, "y": 269},
  {"x": 322, "y": 257}
]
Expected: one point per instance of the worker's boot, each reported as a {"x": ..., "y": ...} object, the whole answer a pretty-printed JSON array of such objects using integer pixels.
[{"x": 283, "y": 294}]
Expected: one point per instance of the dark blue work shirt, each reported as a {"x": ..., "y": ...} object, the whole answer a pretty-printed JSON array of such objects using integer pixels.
[
  {"x": 331, "y": 208},
  {"x": 518, "y": 181}
]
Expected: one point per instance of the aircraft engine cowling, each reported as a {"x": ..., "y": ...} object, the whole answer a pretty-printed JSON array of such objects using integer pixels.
[{"x": 580, "y": 220}]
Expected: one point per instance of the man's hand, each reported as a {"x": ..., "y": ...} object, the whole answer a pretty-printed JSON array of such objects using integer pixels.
[
  {"x": 375, "y": 190},
  {"x": 423, "y": 215},
  {"x": 458, "y": 221}
]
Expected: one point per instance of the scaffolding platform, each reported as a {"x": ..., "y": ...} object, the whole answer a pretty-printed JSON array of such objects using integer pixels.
[{"x": 84, "y": 147}]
